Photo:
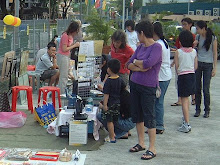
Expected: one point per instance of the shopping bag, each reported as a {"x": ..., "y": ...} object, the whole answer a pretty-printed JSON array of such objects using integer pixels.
[
  {"x": 45, "y": 114},
  {"x": 4, "y": 103},
  {"x": 12, "y": 119}
]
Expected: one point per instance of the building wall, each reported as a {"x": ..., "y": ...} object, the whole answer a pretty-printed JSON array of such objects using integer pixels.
[{"x": 161, "y": 1}]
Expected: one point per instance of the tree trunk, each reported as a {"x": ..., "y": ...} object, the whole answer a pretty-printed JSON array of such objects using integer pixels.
[{"x": 3, "y": 8}]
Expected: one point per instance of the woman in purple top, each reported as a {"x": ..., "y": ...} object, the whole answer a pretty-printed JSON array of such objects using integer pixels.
[{"x": 145, "y": 65}]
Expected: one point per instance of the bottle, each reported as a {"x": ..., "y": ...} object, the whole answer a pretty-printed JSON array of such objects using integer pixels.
[
  {"x": 90, "y": 101},
  {"x": 89, "y": 105}
]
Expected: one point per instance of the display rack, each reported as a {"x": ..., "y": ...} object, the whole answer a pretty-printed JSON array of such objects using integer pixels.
[
  {"x": 88, "y": 75},
  {"x": 88, "y": 69}
]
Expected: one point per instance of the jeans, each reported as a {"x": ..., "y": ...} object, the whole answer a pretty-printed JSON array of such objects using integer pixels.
[
  {"x": 159, "y": 107},
  {"x": 204, "y": 70},
  {"x": 121, "y": 127}
]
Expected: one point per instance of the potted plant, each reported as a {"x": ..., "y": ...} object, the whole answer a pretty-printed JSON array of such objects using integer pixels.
[{"x": 100, "y": 29}]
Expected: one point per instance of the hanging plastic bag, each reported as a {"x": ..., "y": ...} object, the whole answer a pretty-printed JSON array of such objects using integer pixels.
[
  {"x": 45, "y": 114},
  {"x": 12, "y": 119}
]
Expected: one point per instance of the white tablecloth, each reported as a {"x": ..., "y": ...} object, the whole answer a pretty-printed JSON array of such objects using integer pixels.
[{"x": 65, "y": 116}]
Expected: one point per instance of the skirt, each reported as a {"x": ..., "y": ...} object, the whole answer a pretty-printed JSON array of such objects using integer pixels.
[{"x": 186, "y": 84}]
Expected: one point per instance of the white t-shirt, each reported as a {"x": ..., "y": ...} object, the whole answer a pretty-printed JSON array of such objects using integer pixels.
[
  {"x": 132, "y": 39},
  {"x": 186, "y": 62},
  {"x": 165, "y": 73}
]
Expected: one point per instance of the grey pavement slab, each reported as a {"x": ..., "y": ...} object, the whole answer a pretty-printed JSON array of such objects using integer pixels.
[{"x": 199, "y": 147}]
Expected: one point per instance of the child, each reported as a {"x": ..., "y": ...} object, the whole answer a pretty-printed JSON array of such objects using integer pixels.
[
  {"x": 111, "y": 103},
  {"x": 186, "y": 63}
]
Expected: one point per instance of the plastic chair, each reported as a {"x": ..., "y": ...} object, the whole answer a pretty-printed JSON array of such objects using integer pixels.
[
  {"x": 45, "y": 91},
  {"x": 15, "y": 91}
]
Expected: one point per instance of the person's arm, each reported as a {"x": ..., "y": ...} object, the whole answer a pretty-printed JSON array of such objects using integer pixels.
[
  {"x": 66, "y": 48},
  {"x": 176, "y": 61},
  {"x": 135, "y": 68},
  {"x": 105, "y": 102},
  {"x": 154, "y": 57},
  {"x": 215, "y": 57},
  {"x": 195, "y": 63},
  {"x": 54, "y": 61}
]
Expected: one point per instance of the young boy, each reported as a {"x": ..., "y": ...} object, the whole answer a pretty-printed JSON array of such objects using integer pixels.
[
  {"x": 111, "y": 103},
  {"x": 186, "y": 63}
]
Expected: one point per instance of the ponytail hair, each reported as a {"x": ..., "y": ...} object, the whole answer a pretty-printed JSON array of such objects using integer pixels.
[
  {"x": 208, "y": 40},
  {"x": 209, "y": 34},
  {"x": 159, "y": 32}
]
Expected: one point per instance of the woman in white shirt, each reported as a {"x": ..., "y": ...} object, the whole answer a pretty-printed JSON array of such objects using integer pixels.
[{"x": 165, "y": 76}]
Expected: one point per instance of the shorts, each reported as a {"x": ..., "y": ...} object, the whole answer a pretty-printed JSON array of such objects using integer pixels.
[
  {"x": 112, "y": 114},
  {"x": 48, "y": 74},
  {"x": 186, "y": 84},
  {"x": 143, "y": 104}
]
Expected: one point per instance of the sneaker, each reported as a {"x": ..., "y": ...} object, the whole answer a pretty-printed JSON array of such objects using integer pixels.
[
  {"x": 183, "y": 122},
  {"x": 184, "y": 128},
  {"x": 189, "y": 126}
]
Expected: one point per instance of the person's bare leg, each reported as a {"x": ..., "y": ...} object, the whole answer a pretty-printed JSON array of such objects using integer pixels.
[
  {"x": 185, "y": 108},
  {"x": 179, "y": 100},
  {"x": 140, "y": 132},
  {"x": 57, "y": 79},
  {"x": 110, "y": 126},
  {"x": 53, "y": 79},
  {"x": 193, "y": 99}
]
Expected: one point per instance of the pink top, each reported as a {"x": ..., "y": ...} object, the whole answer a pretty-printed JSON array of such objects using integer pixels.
[{"x": 67, "y": 40}]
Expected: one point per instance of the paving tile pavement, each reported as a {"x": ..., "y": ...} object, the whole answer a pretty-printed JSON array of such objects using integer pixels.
[{"x": 199, "y": 147}]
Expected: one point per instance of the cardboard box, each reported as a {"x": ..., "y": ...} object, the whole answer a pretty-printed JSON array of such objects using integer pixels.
[{"x": 78, "y": 132}]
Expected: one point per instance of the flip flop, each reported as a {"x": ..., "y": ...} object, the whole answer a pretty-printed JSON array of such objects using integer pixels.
[
  {"x": 148, "y": 153},
  {"x": 176, "y": 104},
  {"x": 136, "y": 148}
]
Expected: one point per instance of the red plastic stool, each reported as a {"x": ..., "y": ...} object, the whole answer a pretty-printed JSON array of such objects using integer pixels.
[
  {"x": 15, "y": 91},
  {"x": 31, "y": 68},
  {"x": 45, "y": 91}
]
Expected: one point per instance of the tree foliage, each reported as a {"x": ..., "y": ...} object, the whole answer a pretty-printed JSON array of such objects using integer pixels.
[{"x": 99, "y": 28}]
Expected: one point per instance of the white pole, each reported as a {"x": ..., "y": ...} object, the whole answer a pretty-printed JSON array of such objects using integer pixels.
[
  {"x": 123, "y": 15},
  {"x": 188, "y": 7},
  {"x": 17, "y": 8}
]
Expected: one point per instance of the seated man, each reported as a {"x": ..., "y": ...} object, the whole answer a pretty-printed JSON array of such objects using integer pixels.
[
  {"x": 47, "y": 65},
  {"x": 40, "y": 53}
]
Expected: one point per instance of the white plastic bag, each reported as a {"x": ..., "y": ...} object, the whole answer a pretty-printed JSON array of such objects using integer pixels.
[{"x": 12, "y": 119}]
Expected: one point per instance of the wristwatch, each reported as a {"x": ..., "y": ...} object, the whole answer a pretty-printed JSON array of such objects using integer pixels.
[{"x": 134, "y": 61}]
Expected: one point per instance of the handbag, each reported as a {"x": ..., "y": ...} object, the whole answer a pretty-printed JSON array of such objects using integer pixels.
[
  {"x": 45, "y": 114},
  {"x": 4, "y": 103}
]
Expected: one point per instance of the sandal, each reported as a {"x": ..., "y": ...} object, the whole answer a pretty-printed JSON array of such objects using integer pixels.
[
  {"x": 148, "y": 153},
  {"x": 137, "y": 148},
  {"x": 193, "y": 102},
  {"x": 107, "y": 139},
  {"x": 176, "y": 104},
  {"x": 159, "y": 131},
  {"x": 124, "y": 137}
]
